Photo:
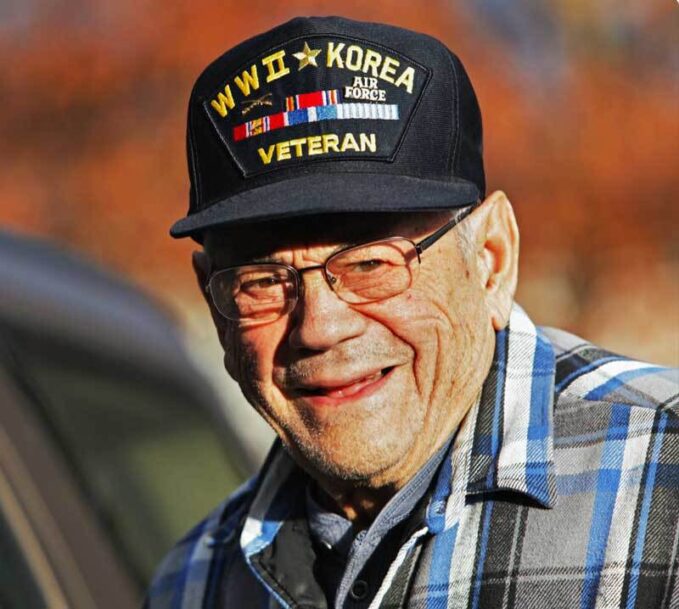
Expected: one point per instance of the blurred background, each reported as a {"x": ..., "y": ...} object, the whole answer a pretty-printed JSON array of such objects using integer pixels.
[
  {"x": 581, "y": 130},
  {"x": 579, "y": 101}
]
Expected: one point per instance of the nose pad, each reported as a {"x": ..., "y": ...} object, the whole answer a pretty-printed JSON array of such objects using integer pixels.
[{"x": 329, "y": 278}]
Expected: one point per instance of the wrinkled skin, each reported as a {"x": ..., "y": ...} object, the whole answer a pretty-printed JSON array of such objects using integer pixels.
[{"x": 436, "y": 341}]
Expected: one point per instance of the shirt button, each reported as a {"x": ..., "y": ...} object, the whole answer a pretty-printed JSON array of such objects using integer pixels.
[{"x": 359, "y": 590}]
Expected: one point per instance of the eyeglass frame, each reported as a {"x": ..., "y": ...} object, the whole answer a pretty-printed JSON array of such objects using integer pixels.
[{"x": 419, "y": 247}]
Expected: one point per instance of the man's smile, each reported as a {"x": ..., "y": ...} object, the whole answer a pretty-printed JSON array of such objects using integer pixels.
[{"x": 336, "y": 390}]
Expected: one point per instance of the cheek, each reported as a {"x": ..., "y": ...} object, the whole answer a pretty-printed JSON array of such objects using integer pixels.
[
  {"x": 421, "y": 322},
  {"x": 249, "y": 355},
  {"x": 442, "y": 322},
  {"x": 228, "y": 336},
  {"x": 416, "y": 316}
]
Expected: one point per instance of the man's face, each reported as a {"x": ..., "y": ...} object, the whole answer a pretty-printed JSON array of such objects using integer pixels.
[{"x": 360, "y": 393}]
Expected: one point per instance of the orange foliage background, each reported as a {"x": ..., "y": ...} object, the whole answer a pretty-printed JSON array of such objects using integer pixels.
[{"x": 580, "y": 118}]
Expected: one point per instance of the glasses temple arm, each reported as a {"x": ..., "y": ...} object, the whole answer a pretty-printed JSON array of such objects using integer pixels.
[{"x": 434, "y": 237}]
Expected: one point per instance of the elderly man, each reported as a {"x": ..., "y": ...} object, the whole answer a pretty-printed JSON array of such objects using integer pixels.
[{"x": 435, "y": 448}]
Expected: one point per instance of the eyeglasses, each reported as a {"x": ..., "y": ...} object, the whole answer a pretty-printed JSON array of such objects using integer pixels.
[{"x": 260, "y": 293}]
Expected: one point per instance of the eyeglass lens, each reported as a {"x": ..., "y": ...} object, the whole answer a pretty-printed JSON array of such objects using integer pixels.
[{"x": 366, "y": 273}]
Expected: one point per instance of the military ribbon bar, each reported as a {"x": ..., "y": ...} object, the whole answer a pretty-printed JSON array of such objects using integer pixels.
[
  {"x": 309, "y": 100},
  {"x": 313, "y": 114}
]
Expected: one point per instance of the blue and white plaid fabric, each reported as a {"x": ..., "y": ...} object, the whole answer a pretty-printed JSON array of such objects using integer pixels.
[{"x": 561, "y": 490}]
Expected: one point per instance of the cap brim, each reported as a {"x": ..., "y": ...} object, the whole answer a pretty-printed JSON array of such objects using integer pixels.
[{"x": 330, "y": 193}]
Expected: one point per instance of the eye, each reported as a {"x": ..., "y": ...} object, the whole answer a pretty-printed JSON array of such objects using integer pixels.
[
  {"x": 261, "y": 283},
  {"x": 365, "y": 266}
]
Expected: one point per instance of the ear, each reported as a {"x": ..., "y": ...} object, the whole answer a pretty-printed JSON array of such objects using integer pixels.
[
  {"x": 201, "y": 267},
  {"x": 497, "y": 251}
]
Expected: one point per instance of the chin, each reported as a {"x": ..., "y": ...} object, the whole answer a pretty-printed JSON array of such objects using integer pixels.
[{"x": 361, "y": 463}]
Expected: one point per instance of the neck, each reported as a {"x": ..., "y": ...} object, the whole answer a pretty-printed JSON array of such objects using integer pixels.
[
  {"x": 361, "y": 505},
  {"x": 358, "y": 505}
]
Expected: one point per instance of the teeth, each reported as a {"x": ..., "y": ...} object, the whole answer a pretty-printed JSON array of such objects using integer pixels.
[
  {"x": 374, "y": 376},
  {"x": 348, "y": 390}
]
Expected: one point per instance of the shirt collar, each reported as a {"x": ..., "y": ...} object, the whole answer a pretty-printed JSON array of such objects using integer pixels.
[
  {"x": 328, "y": 528},
  {"x": 505, "y": 442}
]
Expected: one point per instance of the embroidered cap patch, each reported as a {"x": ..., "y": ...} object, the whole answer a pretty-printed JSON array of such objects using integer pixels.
[{"x": 316, "y": 98}]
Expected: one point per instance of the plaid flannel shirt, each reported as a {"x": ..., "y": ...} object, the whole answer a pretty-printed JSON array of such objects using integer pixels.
[{"x": 561, "y": 490}]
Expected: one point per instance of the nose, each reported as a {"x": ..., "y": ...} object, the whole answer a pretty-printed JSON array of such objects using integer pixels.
[{"x": 321, "y": 319}]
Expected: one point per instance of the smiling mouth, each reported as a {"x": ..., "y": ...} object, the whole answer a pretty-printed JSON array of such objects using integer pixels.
[{"x": 355, "y": 389}]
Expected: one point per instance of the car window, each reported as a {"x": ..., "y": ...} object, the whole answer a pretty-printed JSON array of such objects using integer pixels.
[{"x": 147, "y": 453}]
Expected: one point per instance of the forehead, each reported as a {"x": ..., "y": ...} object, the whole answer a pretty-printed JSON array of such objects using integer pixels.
[{"x": 258, "y": 240}]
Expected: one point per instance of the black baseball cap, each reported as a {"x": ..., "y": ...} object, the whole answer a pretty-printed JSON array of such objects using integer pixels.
[{"x": 327, "y": 115}]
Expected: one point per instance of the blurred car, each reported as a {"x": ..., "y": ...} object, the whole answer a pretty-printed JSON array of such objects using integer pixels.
[{"x": 111, "y": 443}]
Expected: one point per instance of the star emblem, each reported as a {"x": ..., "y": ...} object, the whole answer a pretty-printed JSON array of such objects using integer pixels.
[{"x": 307, "y": 56}]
